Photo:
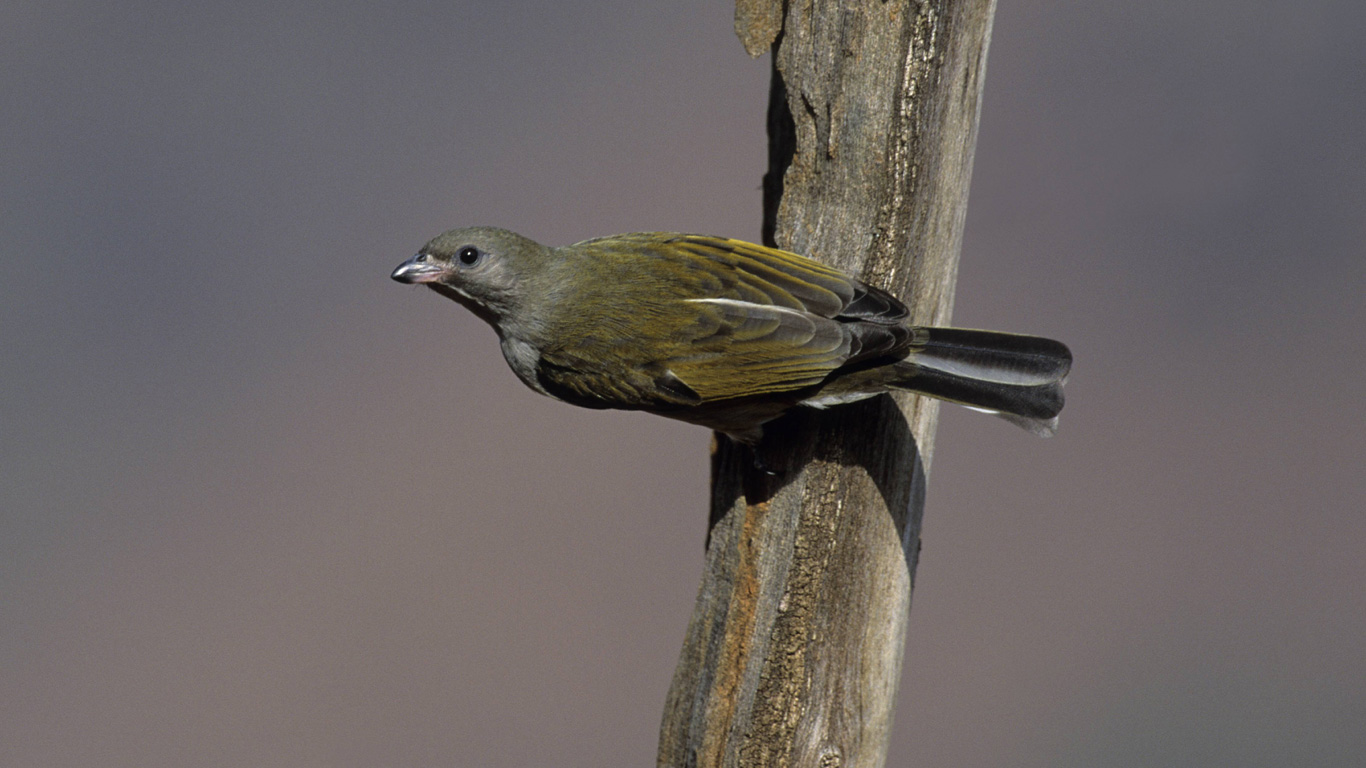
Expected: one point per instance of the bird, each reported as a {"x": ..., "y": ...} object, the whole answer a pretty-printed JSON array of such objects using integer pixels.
[{"x": 722, "y": 333}]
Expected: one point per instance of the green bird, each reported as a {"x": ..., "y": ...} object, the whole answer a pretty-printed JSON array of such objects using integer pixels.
[{"x": 722, "y": 333}]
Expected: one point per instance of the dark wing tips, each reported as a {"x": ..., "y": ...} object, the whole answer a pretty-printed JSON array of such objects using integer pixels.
[
  {"x": 676, "y": 390},
  {"x": 871, "y": 303}
]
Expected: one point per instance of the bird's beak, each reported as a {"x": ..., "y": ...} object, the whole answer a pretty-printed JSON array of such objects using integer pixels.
[{"x": 419, "y": 269}]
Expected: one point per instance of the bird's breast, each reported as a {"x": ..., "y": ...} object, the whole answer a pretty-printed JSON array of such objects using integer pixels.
[{"x": 524, "y": 359}]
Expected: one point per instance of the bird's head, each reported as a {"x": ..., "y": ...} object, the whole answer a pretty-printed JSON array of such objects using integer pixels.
[{"x": 487, "y": 270}]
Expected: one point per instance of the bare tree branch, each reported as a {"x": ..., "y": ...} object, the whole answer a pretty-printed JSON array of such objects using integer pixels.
[{"x": 794, "y": 651}]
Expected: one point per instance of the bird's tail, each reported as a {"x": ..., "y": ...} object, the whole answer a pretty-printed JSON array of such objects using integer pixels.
[{"x": 1018, "y": 378}]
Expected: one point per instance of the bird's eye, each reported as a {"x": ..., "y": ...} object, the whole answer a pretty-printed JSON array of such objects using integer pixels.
[
  {"x": 469, "y": 255},
  {"x": 420, "y": 258}
]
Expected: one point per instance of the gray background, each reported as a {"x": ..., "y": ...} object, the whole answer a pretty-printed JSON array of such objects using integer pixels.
[{"x": 261, "y": 506}]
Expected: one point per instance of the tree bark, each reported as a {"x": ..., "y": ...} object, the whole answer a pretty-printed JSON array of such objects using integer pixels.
[{"x": 794, "y": 650}]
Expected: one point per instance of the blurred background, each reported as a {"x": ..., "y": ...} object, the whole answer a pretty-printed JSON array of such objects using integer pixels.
[{"x": 261, "y": 506}]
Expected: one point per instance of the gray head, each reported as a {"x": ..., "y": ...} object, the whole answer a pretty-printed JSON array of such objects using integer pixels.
[{"x": 483, "y": 268}]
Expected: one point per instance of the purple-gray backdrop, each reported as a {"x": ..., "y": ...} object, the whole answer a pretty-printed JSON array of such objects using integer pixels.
[{"x": 260, "y": 506}]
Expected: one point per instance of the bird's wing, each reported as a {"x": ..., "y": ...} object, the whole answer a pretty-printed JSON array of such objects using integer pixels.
[
  {"x": 724, "y": 319},
  {"x": 787, "y": 279},
  {"x": 727, "y": 349}
]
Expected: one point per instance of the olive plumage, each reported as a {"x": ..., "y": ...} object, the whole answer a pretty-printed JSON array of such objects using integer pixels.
[{"x": 720, "y": 332}]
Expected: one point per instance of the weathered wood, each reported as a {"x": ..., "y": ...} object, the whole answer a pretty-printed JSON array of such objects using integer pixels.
[{"x": 793, "y": 654}]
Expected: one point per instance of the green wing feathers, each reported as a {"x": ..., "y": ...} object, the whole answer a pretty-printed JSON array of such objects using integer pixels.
[
  {"x": 716, "y": 320},
  {"x": 724, "y": 318}
]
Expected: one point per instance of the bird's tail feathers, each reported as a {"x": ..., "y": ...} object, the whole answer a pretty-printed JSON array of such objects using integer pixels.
[{"x": 1016, "y": 377}]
